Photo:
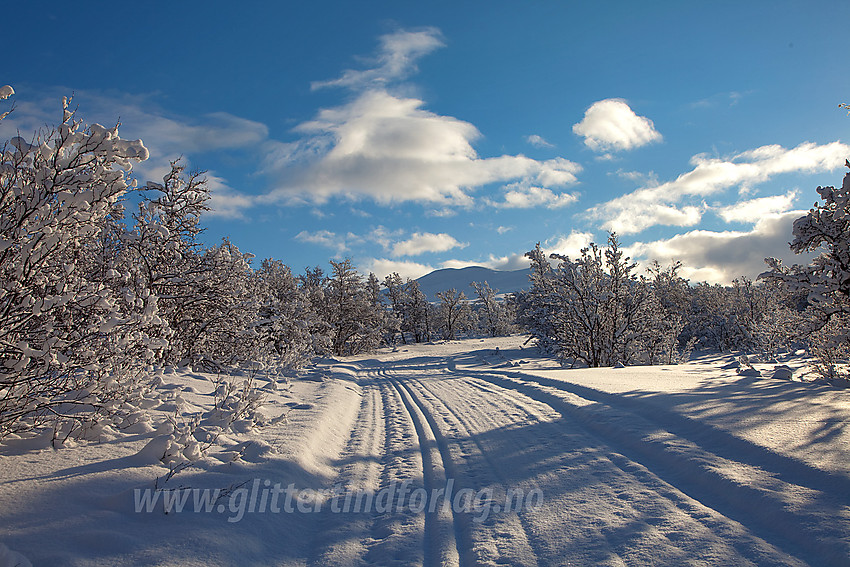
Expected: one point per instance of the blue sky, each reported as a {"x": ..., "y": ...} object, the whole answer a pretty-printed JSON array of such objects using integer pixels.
[{"x": 411, "y": 136}]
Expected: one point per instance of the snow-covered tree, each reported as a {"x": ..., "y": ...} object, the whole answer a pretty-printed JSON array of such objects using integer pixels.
[
  {"x": 826, "y": 281},
  {"x": 354, "y": 317},
  {"x": 70, "y": 329},
  {"x": 669, "y": 309},
  {"x": 395, "y": 289},
  {"x": 454, "y": 314},
  {"x": 495, "y": 317},
  {"x": 285, "y": 316},
  {"x": 213, "y": 323},
  {"x": 825, "y": 229},
  {"x": 314, "y": 285},
  {"x": 594, "y": 310},
  {"x": 203, "y": 294},
  {"x": 537, "y": 308},
  {"x": 419, "y": 314}
]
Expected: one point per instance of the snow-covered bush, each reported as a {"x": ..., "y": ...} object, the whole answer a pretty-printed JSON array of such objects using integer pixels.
[
  {"x": 668, "y": 308},
  {"x": 86, "y": 304},
  {"x": 204, "y": 295},
  {"x": 314, "y": 286},
  {"x": 71, "y": 332},
  {"x": 394, "y": 322},
  {"x": 537, "y": 308},
  {"x": 594, "y": 310},
  {"x": 419, "y": 314}
]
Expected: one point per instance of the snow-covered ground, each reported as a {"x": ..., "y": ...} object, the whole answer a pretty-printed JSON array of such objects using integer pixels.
[{"x": 411, "y": 457}]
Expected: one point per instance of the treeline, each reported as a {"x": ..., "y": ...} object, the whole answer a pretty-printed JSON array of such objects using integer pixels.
[{"x": 597, "y": 310}]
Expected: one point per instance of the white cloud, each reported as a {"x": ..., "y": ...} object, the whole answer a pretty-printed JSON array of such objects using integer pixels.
[
  {"x": 419, "y": 243},
  {"x": 390, "y": 149},
  {"x": 386, "y": 146},
  {"x": 340, "y": 243},
  {"x": 383, "y": 236},
  {"x": 379, "y": 145},
  {"x": 325, "y": 238},
  {"x": 636, "y": 218},
  {"x": 524, "y": 196},
  {"x": 569, "y": 245},
  {"x": 538, "y": 141},
  {"x": 383, "y": 267},
  {"x": 504, "y": 229},
  {"x": 396, "y": 59},
  {"x": 720, "y": 257},
  {"x": 225, "y": 202},
  {"x": 655, "y": 205},
  {"x": 752, "y": 210},
  {"x": 443, "y": 213},
  {"x": 611, "y": 125}
]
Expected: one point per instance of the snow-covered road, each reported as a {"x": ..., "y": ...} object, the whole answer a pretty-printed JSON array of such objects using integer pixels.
[
  {"x": 643, "y": 466},
  {"x": 621, "y": 482}
]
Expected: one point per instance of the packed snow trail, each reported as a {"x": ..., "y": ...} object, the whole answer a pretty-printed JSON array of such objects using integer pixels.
[
  {"x": 520, "y": 463},
  {"x": 622, "y": 484}
]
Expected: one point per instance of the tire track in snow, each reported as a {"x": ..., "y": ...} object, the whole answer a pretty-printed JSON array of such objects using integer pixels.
[
  {"x": 688, "y": 468},
  {"x": 341, "y": 541},
  {"x": 396, "y": 536},
  {"x": 535, "y": 444},
  {"x": 528, "y": 539},
  {"x": 446, "y": 540}
]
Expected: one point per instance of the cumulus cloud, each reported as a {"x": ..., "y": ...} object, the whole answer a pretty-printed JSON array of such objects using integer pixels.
[
  {"x": 420, "y": 243},
  {"x": 389, "y": 148},
  {"x": 383, "y": 267},
  {"x": 720, "y": 257},
  {"x": 538, "y": 141},
  {"x": 325, "y": 238},
  {"x": 569, "y": 245},
  {"x": 658, "y": 204},
  {"x": 524, "y": 196},
  {"x": 611, "y": 125},
  {"x": 752, "y": 210}
]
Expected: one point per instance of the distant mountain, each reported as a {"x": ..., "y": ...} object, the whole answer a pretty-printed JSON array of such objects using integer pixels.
[{"x": 461, "y": 279}]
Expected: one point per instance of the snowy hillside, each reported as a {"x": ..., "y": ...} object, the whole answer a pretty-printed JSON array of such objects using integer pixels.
[
  {"x": 412, "y": 457},
  {"x": 461, "y": 279}
]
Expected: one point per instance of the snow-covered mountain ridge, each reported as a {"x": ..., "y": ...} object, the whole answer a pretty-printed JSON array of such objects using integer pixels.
[{"x": 505, "y": 281}]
